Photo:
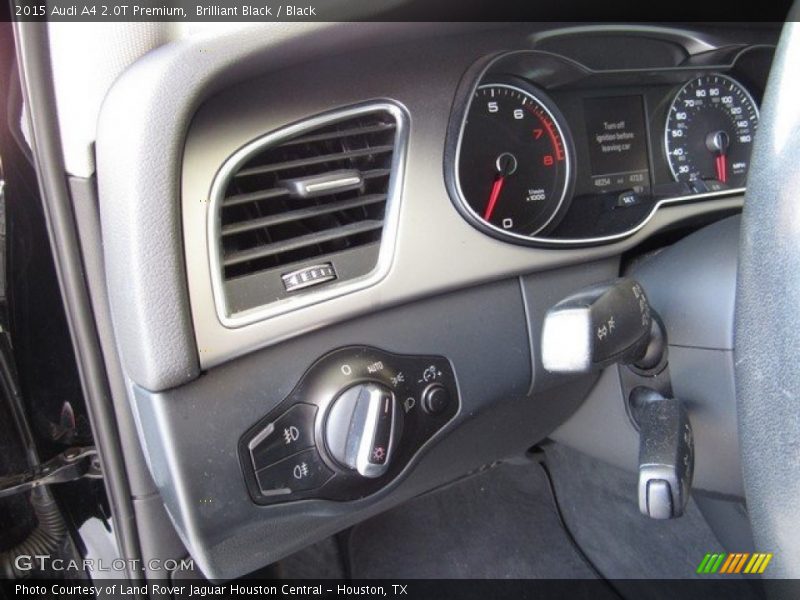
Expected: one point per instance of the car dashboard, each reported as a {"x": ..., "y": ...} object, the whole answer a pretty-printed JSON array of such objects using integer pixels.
[{"x": 369, "y": 221}]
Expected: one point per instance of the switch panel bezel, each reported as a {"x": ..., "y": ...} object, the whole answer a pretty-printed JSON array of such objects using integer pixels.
[{"x": 408, "y": 376}]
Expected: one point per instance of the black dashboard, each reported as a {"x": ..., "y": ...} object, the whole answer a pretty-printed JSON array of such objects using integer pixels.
[{"x": 390, "y": 207}]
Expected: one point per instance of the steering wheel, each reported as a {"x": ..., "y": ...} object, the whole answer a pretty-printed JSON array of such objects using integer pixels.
[{"x": 767, "y": 327}]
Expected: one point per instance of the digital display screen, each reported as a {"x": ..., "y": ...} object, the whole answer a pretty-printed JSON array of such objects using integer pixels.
[{"x": 617, "y": 140}]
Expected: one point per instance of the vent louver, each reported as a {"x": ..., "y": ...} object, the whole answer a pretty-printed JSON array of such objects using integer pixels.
[{"x": 307, "y": 200}]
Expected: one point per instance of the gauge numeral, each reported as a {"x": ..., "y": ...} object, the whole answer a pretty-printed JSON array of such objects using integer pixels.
[
  {"x": 493, "y": 107},
  {"x": 548, "y": 160},
  {"x": 519, "y": 114}
]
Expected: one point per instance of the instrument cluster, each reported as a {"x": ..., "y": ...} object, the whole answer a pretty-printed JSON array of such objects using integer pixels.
[{"x": 544, "y": 151}]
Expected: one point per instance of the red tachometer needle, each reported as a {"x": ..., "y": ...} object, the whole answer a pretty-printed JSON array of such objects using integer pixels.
[
  {"x": 722, "y": 167},
  {"x": 497, "y": 186}
]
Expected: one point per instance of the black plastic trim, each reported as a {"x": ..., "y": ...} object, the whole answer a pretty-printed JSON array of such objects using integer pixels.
[{"x": 406, "y": 375}]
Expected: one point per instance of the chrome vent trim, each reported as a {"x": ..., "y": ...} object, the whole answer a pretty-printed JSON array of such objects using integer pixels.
[{"x": 293, "y": 134}]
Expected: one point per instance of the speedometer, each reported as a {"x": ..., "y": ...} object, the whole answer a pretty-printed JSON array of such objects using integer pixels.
[
  {"x": 709, "y": 132},
  {"x": 514, "y": 163}
]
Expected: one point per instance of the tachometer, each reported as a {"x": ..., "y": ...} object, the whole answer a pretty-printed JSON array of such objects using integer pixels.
[
  {"x": 710, "y": 129},
  {"x": 514, "y": 161}
]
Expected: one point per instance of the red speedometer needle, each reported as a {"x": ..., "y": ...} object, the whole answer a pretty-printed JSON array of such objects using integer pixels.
[
  {"x": 722, "y": 168},
  {"x": 717, "y": 142},
  {"x": 497, "y": 186}
]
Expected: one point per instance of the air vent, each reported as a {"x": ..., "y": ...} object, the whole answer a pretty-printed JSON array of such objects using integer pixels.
[{"x": 303, "y": 211}]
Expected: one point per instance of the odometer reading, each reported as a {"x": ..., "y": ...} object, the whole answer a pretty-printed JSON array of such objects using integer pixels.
[
  {"x": 514, "y": 161},
  {"x": 710, "y": 129}
]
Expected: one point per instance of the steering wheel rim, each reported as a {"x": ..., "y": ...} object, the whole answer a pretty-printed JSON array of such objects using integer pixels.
[{"x": 767, "y": 325}]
